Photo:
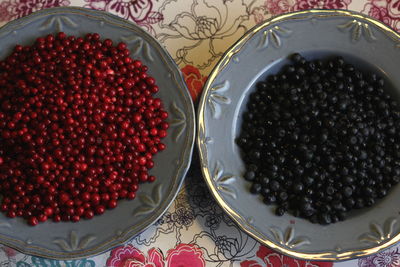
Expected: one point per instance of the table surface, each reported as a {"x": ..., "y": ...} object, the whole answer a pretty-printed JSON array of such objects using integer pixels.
[{"x": 195, "y": 232}]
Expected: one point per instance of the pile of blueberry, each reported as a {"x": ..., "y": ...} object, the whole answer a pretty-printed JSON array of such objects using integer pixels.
[{"x": 321, "y": 138}]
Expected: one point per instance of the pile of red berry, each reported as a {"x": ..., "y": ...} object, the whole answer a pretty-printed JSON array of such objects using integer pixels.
[{"x": 79, "y": 127}]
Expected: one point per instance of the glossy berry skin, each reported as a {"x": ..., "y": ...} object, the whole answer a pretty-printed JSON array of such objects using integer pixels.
[
  {"x": 79, "y": 126},
  {"x": 320, "y": 138}
]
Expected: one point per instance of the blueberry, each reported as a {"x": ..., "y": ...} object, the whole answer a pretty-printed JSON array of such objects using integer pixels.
[
  {"x": 280, "y": 211},
  {"x": 319, "y": 138},
  {"x": 255, "y": 188}
]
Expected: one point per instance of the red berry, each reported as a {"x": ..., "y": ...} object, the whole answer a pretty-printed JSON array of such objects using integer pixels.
[
  {"x": 33, "y": 221},
  {"x": 48, "y": 211},
  {"x": 153, "y": 131},
  {"x": 112, "y": 204},
  {"x": 57, "y": 218},
  {"x": 42, "y": 218},
  {"x": 142, "y": 160},
  {"x": 79, "y": 211},
  {"x": 105, "y": 197},
  {"x": 11, "y": 214},
  {"x": 162, "y": 133},
  {"x": 137, "y": 118},
  {"x": 131, "y": 195},
  {"x": 89, "y": 214},
  {"x": 85, "y": 196},
  {"x": 75, "y": 218},
  {"x": 143, "y": 177},
  {"x": 100, "y": 209},
  {"x": 95, "y": 198}
]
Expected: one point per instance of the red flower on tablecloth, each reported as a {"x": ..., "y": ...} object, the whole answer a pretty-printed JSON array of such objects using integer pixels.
[
  {"x": 250, "y": 263},
  {"x": 181, "y": 255},
  {"x": 14, "y": 9},
  {"x": 129, "y": 256},
  {"x": 276, "y": 7},
  {"x": 389, "y": 258},
  {"x": 258, "y": 14},
  {"x": 386, "y": 11},
  {"x": 139, "y": 11},
  {"x": 194, "y": 80},
  {"x": 394, "y": 8},
  {"x": 326, "y": 4},
  {"x": 4, "y": 14},
  {"x": 185, "y": 255},
  {"x": 272, "y": 258},
  {"x": 10, "y": 252}
]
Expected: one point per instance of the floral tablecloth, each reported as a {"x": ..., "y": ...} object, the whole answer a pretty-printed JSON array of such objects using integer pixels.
[{"x": 195, "y": 232}]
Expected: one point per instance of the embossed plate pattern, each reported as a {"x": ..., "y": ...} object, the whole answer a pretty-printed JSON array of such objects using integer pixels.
[
  {"x": 74, "y": 240},
  {"x": 258, "y": 53}
]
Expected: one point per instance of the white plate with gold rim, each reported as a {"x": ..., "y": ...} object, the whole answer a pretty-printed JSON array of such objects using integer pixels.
[
  {"x": 68, "y": 240},
  {"x": 363, "y": 41}
]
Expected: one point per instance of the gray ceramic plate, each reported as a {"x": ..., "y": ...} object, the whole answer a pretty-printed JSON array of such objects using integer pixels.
[
  {"x": 74, "y": 240},
  {"x": 260, "y": 52}
]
